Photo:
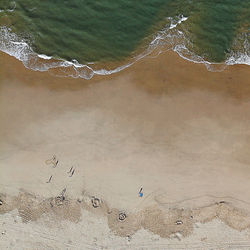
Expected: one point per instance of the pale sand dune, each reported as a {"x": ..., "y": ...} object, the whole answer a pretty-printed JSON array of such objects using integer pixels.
[{"x": 170, "y": 126}]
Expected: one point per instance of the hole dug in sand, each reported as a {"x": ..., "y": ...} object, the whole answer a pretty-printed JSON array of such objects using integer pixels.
[
  {"x": 95, "y": 202},
  {"x": 123, "y": 224},
  {"x": 122, "y": 216}
]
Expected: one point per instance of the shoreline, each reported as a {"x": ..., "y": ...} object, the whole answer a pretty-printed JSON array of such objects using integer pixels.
[
  {"x": 74, "y": 69},
  {"x": 165, "y": 124}
]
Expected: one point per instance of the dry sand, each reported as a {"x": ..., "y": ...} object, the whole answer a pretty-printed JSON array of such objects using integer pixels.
[{"x": 165, "y": 124}]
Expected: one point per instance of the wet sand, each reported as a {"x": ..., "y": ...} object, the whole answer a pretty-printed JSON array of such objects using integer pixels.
[{"x": 164, "y": 124}]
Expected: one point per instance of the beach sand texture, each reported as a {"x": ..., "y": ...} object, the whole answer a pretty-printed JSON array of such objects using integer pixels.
[{"x": 165, "y": 124}]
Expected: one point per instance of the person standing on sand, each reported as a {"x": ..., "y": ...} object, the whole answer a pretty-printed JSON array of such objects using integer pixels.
[
  {"x": 70, "y": 170},
  {"x": 141, "y": 192}
]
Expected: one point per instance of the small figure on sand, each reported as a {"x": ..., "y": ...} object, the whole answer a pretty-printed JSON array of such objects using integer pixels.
[
  {"x": 52, "y": 161},
  {"x": 49, "y": 179},
  {"x": 62, "y": 194},
  {"x": 140, "y": 194},
  {"x": 55, "y": 164},
  {"x": 72, "y": 171}
]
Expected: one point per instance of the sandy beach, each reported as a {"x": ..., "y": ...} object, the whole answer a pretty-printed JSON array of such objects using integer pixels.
[{"x": 165, "y": 124}]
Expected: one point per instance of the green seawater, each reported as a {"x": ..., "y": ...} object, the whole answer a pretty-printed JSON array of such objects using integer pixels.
[{"x": 113, "y": 30}]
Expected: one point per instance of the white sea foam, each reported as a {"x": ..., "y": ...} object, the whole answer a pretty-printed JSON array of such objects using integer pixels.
[
  {"x": 242, "y": 56},
  {"x": 9, "y": 10},
  {"x": 44, "y": 57},
  {"x": 238, "y": 59},
  {"x": 175, "y": 23},
  {"x": 175, "y": 39},
  {"x": 11, "y": 44},
  {"x": 186, "y": 54},
  {"x": 172, "y": 38}
]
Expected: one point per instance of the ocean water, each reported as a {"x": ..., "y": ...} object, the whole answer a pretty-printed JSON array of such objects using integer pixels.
[{"x": 87, "y": 37}]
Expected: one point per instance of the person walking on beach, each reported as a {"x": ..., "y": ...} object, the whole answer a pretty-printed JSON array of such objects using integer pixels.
[
  {"x": 140, "y": 194},
  {"x": 70, "y": 170}
]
